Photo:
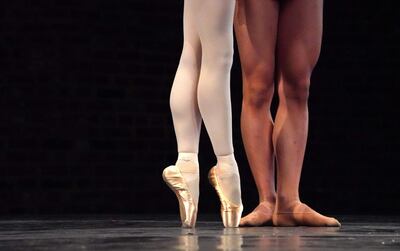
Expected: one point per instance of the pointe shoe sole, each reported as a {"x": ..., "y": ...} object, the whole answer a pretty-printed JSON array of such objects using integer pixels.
[
  {"x": 230, "y": 212},
  {"x": 187, "y": 208}
]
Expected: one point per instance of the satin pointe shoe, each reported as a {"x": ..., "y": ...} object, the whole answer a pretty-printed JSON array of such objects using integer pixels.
[
  {"x": 230, "y": 212},
  {"x": 187, "y": 200}
]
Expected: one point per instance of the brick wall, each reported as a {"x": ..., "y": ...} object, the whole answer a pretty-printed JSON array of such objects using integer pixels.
[{"x": 86, "y": 127}]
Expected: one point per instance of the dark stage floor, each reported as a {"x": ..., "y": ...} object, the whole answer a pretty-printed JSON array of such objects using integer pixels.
[{"x": 163, "y": 233}]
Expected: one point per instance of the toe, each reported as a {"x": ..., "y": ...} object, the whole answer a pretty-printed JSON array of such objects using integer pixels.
[
  {"x": 333, "y": 223},
  {"x": 337, "y": 223},
  {"x": 243, "y": 222}
]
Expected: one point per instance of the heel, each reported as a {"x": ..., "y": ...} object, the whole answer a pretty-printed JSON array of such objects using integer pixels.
[
  {"x": 230, "y": 212},
  {"x": 187, "y": 205}
]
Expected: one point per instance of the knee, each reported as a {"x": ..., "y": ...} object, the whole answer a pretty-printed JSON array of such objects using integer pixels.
[
  {"x": 190, "y": 56},
  {"x": 296, "y": 89},
  {"x": 295, "y": 79},
  {"x": 258, "y": 88},
  {"x": 220, "y": 59}
]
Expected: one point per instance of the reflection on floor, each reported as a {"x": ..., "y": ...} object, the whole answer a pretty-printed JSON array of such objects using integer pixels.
[{"x": 163, "y": 233}]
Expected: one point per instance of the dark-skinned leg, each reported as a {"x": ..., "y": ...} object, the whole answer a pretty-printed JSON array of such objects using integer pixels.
[
  {"x": 299, "y": 42},
  {"x": 256, "y": 27}
]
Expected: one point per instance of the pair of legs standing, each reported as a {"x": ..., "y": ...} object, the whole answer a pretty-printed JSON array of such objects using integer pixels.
[
  {"x": 279, "y": 41},
  {"x": 201, "y": 91}
]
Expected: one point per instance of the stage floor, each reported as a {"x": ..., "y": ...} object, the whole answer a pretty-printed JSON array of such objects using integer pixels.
[{"x": 120, "y": 232}]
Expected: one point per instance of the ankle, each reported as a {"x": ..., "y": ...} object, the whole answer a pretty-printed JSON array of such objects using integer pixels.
[
  {"x": 188, "y": 163},
  {"x": 268, "y": 200},
  {"x": 227, "y": 165},
  {"x": 187, "y": 157},
  {"x": 286, "y": 203}
]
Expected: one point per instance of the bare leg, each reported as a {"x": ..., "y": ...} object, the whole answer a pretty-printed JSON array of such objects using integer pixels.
[
  {"x": 299, "y": 42},
  {"x": 256, "y": 24}
]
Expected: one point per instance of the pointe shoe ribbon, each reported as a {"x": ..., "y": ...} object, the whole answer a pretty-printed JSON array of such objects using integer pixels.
[
  {"x": 230, "y": 212},
  {"x": 187, "y": 204}
]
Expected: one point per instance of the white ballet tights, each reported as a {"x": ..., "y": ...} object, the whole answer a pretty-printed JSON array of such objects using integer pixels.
[{"x": 201, "y": 88}]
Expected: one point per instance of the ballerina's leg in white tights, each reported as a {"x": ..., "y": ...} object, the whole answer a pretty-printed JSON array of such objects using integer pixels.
[{"x": 201, "y": 90}]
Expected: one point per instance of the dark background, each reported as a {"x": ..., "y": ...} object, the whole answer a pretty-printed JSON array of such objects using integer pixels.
[{"x": 86, "y": 127}]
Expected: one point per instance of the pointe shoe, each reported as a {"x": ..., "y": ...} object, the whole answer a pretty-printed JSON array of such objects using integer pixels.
[
  {"x": 187, "y": 203},
  {"x": 230, "y": 212}
]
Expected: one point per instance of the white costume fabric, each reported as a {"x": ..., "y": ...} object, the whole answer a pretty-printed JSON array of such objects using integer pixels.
[{"x": 201, "y": 89}]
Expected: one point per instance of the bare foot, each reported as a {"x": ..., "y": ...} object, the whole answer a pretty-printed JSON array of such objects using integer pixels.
[
  {"x": 261, "y": 216},
  {"x": 302, "y": 215}
]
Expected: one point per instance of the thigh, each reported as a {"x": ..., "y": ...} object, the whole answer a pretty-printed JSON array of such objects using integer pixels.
[
  {"x": 256, "y": 23},
  {"x": 190, "y": 33},
  {"x": 214, "y": 22},
  {"x": 299, "y": 37}
]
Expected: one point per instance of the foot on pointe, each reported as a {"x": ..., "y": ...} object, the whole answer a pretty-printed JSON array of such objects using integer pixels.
[
  {"x": 302, "y": 215},
  {"x": 260, "y": 216}
]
